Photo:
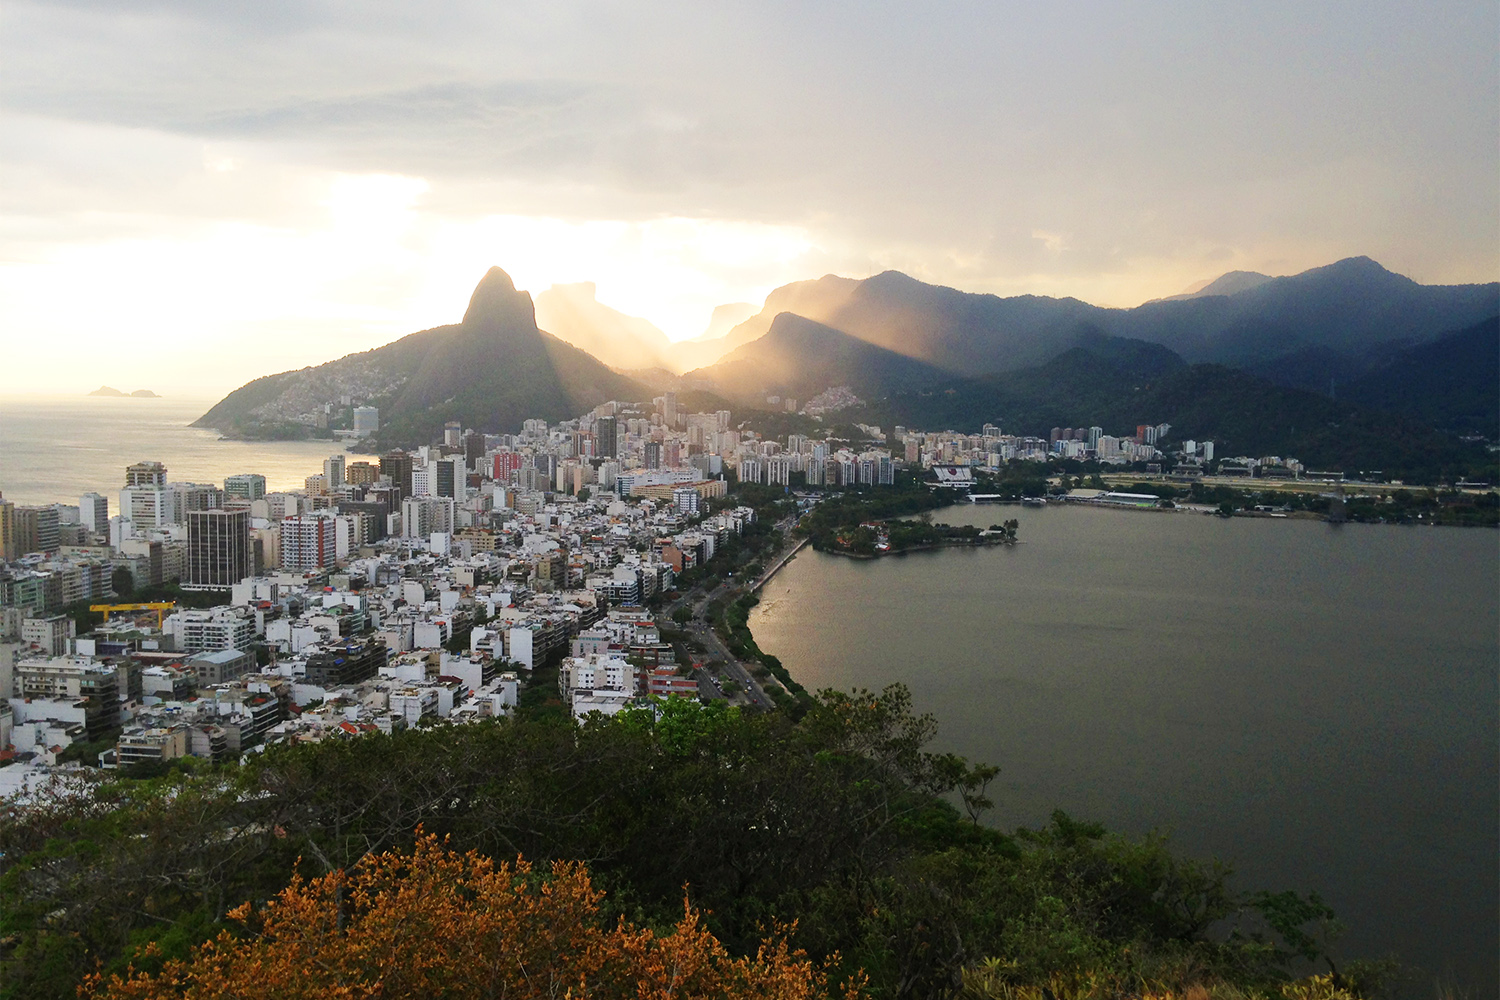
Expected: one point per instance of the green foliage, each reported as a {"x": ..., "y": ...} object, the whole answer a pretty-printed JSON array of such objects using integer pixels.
[
  {"x": 1379, "y": 506},
  {"x": 88, "y": 752},
  {"x": 840, "y": 512},
  {"x": 844, "y": 821},
  {"x": 122, "y": 582},
  {"x": 84, "y": 620},
  {"x": 1288, "y": 914},
  {"x": 1452, "y": 382},
  {"x": 1244, "y": 414}
]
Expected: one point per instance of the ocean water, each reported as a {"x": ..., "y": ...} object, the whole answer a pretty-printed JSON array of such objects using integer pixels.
[
  {"x": 1315, "y": 703},
  {"x": 56, "y": 448}
]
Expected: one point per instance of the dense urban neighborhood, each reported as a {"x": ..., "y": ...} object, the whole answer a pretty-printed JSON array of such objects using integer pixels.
[{"x": 577, "y": 566}]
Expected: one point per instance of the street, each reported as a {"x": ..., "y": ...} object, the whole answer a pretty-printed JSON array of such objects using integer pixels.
[{"x": 700, "y": 631}]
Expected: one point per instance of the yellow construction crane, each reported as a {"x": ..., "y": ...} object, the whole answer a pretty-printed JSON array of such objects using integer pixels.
[{"x": 160, "y": 607}]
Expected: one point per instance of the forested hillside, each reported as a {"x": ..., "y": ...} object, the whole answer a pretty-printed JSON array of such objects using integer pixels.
[{"x": 843, "y": 822}]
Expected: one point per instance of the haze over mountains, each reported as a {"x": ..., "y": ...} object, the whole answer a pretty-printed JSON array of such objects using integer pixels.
[
  {"x": 1339, "y": 321},
  {"x": 940, "y": 356}
]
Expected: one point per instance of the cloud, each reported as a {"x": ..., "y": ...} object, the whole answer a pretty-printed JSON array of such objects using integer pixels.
[{"x": 1106, "y": 152}]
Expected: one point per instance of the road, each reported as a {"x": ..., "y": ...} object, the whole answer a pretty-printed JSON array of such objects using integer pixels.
[{"x": 700, "y": 631}]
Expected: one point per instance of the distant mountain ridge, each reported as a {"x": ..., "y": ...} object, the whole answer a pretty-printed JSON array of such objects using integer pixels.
[
  {"x": 1228, "y": 283},
  {"x": 1452, "y": 383},
  {"x": 491, "y": 371},
  {"x": 1342, "y": 320},
  {"x": 800, "y": 357},
  {"x": 1118, "y": 384}
]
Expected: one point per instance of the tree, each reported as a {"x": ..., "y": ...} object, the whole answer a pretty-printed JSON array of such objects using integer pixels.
[
  {"x": 122, "y": 582},
  {"x": 439, "y": 923}
]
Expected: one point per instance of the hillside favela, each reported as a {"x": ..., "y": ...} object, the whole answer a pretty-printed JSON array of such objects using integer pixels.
[{"x": 898, "y": 505}]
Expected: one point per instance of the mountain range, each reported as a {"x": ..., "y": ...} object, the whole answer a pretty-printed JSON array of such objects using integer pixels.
[
  {"x": 1354, "y": 310},
  {"x": 1351, "y": 333}
]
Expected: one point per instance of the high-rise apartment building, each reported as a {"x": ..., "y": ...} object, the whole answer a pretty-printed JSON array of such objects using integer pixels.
[
  {"x": 333, "y": 471},
  {"x": 219, "y": 553},
  {"x": 503, "y": 464},
  {"x": 606, "y": 432},
  {"x": 245, "y": 486},
  {"x": 64, "y": 678},
  {"x": 193, "y": 496},
  {"x": 93, "y": 513},
  {"x": 199, "y": 630},
  {"x": 146, "y": 474},
  {"x": 360, "y": 473},
  {"x": 473, "y": 449},
  {"x": 442, "y": 477},
  {"x": 309, "y": 542},
  {"x": 397, "y": 466},
  {"x": 146, "y": 506},
  {"x": 37, "y": 529},
  {"x": 8, "y": 550},
  {"x": 687, "y": 500},
  {"x": 48, "y": 635}
]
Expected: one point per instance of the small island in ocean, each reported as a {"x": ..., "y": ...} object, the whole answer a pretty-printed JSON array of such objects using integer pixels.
[{"x": 109, "y": 390}]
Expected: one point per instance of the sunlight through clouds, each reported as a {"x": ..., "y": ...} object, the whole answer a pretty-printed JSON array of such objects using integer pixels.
[
  {"x": 366, "y": 264},
  {"x": 671, "y": 271}
]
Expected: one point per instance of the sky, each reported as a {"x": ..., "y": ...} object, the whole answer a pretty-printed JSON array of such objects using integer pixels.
[{"x": 196, "y": 193}]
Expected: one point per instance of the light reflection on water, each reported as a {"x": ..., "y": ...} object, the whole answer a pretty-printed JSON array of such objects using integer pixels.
[{"x": 56, "y": 448}]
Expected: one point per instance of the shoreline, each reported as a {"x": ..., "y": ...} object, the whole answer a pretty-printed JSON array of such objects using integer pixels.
[
  {"x": 1292, "y": 515},
  {"x": 777, "y": 566}
]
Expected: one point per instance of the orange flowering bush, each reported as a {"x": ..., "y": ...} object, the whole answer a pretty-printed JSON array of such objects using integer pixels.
[{"x": 436, "y": 923}]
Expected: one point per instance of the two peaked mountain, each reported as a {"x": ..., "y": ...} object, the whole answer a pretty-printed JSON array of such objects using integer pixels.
[{"x": 491, "y": 371}]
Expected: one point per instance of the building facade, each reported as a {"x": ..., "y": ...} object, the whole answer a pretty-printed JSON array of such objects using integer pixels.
[{"x": 219, "y": 552}]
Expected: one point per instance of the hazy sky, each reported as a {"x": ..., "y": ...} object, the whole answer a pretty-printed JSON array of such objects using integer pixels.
[{"x": 195, "y": 193}]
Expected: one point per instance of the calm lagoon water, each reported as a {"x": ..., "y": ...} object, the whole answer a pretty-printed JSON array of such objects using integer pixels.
[
  {"x": 1315, "y": 703},
  {"x": 56, "y": 448}
]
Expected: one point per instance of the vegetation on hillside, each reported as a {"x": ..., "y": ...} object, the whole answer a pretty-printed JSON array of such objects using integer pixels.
[
  {"x": 843, "y": 822},
  {"x": 1242, "y": 414}
]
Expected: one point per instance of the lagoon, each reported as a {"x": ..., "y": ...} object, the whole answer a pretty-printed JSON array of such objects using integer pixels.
[{"x": 1315, "y": 703}]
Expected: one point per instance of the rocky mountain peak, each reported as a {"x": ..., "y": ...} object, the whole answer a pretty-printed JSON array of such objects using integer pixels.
[{"x": 497, "y": 304}]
